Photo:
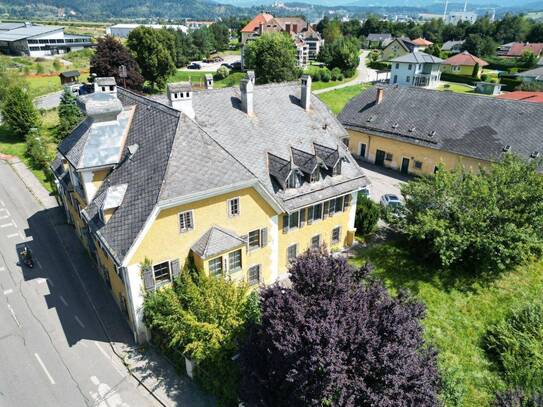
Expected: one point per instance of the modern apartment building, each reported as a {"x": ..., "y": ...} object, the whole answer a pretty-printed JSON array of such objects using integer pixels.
[{"x": 241, "y": 180}]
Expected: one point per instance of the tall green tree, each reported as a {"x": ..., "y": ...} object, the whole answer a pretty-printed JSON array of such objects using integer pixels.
[
  {"x": 19, "y": 113},
  {"x": 273, "y": 57},
  {"x": 528, "y": 59},
  {"x": 221, "y": 35},
  {"x": 110, "y": 54},
  {"x": 489, "y": 220},
  {"x": 37, "y": 149},
  {"x": 152, "y": 55},
  {"x": 342, "y": 53},
  {"x": 69, "y": 114},
  {"x": 332, "y": 31}
]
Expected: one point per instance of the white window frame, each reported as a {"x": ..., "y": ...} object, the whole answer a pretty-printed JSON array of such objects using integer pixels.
[
  {"x": 229, "y": 207},
  {"x": 311, "y": 246},
  {"x": 221, "y": 261},
  {"x": 259, "y": 274},
  {"x": 234, "y": 270},
  {"x": 332, "y": 240},
  {"x": 295, "y": 245},
  {"x": 184, "y": 230},
  {"x": 160, "y": 282},
  {"x": 251, "y": 248}
]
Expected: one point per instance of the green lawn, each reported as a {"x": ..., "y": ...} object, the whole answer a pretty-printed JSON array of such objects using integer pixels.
[
  {"x": 323, "y": 85},
  {"x": 197, "y": 78},
  {"x": 457, "y": 87},
  {"x": 338, "y": 98},
  {"x": 16, "y": 147},
  {"x": 459, "y": 310}
]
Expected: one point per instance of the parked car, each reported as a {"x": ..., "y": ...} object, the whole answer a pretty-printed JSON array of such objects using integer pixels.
[
  {"x": 227, "y": 65},
  {"x": 194, "y": 65},
  {"x": 236, "y": 65},
  {"x": 391, "y": 201}
]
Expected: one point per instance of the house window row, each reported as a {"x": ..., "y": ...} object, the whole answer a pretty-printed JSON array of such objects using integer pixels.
[
  {"x": 186, "y": 219},
  {"x": 231, "y": 263},
  {"x": 315, "y": 243},
  {"x": 315, "y": 213}
]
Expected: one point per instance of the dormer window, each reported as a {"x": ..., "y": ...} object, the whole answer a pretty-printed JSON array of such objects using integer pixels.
[
  {"x": 337, "y": 168},
  {"x": 315, "y": 176},
  {"x": 294, "y": 180}
]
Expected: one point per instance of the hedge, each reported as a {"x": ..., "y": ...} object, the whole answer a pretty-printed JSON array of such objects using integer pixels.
[
  {"x": 449, "y": 77},
  {"x": 510, "y": 83},
  {"x": 380, "y": 65}
]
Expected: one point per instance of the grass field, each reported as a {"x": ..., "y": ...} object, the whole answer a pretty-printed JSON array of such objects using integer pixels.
[
  {"x": 323, "y": 85},
  {"x": 16, "y": 147},
  {"x": 459, "y": 310},
  {"x": 197, "y": 78},
  {"x": 457, "y": 87},
  {"x": 337, "y": 99}
]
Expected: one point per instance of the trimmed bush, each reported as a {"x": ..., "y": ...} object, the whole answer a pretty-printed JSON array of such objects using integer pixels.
[
  {"x": 335, "y": 73},
  {"x": 222, "y": 73},
  {"x": 367, "y": 215},
  {"x": 517, "y": 398},
  {"x": 449, "y": 77},
  {"x": 326, "y": 76},
  {"x": 516, "y": 345}
]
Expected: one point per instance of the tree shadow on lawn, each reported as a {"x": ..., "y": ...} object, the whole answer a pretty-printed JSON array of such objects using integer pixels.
[{"x": 402, "y": 266}]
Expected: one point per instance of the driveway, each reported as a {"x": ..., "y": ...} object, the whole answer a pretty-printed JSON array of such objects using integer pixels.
[
  {"x": 212, "y": 67},
  {"x": 383, "y": 180}
]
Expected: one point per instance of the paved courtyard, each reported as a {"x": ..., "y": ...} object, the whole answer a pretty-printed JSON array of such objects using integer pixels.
[{"x": 383, "y": 180}]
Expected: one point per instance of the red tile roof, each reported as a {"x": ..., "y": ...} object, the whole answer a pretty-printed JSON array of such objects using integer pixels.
[
  {"x": 536, "y": 97},
  {"x": 421, "y": 42},
  {"x": 518, "y": 48},
  {"x": 465, "y": 58},
  {"x": 261, "y": 18}
]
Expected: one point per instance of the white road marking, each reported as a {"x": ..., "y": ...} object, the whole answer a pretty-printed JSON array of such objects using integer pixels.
[
  {"x": 2, "y": 203},
  {"x": 7, "y": 225},
  {"x": 79, "y": 322},
  {"x": 44, "y": 368},
  {"x": 119, "y": 370},
  {"x": 50, "y": 282},
  {"x": 14, "y": 316},
  {"x": 4, "y": 217},
  {"x": 63, "y": 301},
  {"x": 2, "y": 268},
  {"x": 38, "y": 263},
  {"x": 4, "y": 210},
  {"x": 12, "y": 235},
  {"x": 8, "y": 291}
]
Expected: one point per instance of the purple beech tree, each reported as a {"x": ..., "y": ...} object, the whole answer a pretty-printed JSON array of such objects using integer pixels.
[{"x": 337, "y": 338}]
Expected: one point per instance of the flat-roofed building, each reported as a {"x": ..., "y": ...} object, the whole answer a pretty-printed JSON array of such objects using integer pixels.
[{"x": 123, "y": 30}]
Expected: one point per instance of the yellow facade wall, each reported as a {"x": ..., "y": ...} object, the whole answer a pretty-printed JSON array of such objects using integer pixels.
[
  {"x": 393, "y": 50},
  {"x": 164, "y": 241},
  {"x": 302, "y": 236},
  {"x": 466, "y": 70},
  {"x": 98, "y": 177},
  {"x": 429, "y": 157}
]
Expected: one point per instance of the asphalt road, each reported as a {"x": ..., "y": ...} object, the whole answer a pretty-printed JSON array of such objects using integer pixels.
[{"x": 53, "y": 351}]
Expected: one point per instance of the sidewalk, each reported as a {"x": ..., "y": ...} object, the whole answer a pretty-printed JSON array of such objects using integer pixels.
[{"x": 151, "y": 369}]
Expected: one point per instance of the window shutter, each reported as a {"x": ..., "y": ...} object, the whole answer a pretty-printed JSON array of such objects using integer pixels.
[
  {"x": 302, "y": 217},
  {"x": 263, "y": 237},
  {"x": 310, "y": 215},
  {"x": 326, "y": 209},
  {"x": 148, "y": 279},
  {"x": 285, "y": 223},
  {"x": 347, "y": 202},
  {"x": 175, "y": 267},
  {"x": 224, "y": 265}
]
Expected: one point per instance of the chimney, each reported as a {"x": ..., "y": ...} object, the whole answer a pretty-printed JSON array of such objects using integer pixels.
[
  {"x": 379, "y": 96},
  {"x": 105, "y": 85},
  {"x": 209, "y": 81},
  {"x": 305, "y": 98},
  {"x": 251, "y": 76},
  {"x": 102, "y": 107},
  {"x": 180, "y": 97},
  {"x": 246, "y": 87}
]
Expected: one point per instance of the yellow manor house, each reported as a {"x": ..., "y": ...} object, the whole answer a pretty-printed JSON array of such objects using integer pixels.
[{"x": 241, "y": 179}]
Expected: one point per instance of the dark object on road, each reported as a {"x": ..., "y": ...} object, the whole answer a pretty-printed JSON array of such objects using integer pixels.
[
  {"x": 227, "y": 65},
  {"x": 236, "y": 66},
  {"x": 26, "y": 257},
  {"x": 194, "y": 65}
]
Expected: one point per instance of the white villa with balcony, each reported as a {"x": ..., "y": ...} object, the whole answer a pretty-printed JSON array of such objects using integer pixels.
[{"x": 416, "y": 69}]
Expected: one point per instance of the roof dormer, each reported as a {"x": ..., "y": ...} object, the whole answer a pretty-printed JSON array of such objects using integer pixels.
[{"x": 113, "y": 199}]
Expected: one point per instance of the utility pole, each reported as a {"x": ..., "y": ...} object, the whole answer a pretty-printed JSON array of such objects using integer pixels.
[
  {"x": 466, "y": 6},
  {"x": 445, "y": 11}
]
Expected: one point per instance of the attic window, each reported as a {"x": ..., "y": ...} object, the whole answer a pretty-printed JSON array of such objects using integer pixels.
[
  {"x": 293, "y": 180},
  {"x": 395, "y": 126},
  {"x": 412, "y": 129},
  {"x": 337, "y": 168},
  {"x": 535, "y": 154},
  {"x": 371, "y": 118},
  {"x": 433, "y": 133},
  {"x": 315, "y": 176},
  {"x": 507, "y": 148}
]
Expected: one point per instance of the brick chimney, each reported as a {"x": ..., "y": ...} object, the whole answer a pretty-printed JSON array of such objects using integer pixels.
[
  {"x": 180, "y": 97},
  {"x": 305, "y": 98},
  {"x": 246, "y": 89},
  {"x": 379, "y": 95}
]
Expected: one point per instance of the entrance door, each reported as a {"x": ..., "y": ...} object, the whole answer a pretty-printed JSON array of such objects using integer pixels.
[
  {"x": 380, "y": 158},
  {"x": 405, "y": 166},
  {"x": 362, "y": 150}
]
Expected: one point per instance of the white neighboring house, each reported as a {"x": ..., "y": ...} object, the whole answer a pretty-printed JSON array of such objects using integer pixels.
[
  {"x": 39, "y": 40},
  {"x": 122, "y": 30},
  {"x": 416, "y": 69}
]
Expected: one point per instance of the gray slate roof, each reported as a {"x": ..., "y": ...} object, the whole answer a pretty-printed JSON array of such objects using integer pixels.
[
  {"x": 418, "y": 58},
  {"x": 379, "y": 36},
  {"x": 450, "y": 45},
  {"x": 472, "y": 126},
  {"x": 177, "y": 157},
  {"x": 216, "y": 241},
  {"x": 533, "y": 73}
]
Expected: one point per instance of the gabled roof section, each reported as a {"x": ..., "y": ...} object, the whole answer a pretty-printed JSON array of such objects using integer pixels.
[
  {"x": 279, "y": 168},
  {"x": 465, "y": 58},
  {"x": 114, "y": 196},
  {"x": 518, "y": 48},
  {"x": 451, "y": 45},
  {"x": 261, "y": 18},
  {"x": 535, "y": 97},
  {"x": 216, "y": 241},
  {"x": 421, "y": 42},
  {"x": 473, "y": 126},
  {"x": 305, "y": 161},
  {"x": 329, "y": 156},
  {"x": 533, "y": 73}
]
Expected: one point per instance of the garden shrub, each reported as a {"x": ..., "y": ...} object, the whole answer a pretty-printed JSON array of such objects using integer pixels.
[
  {"x": 325, "y": 75},
  {"x": 367, "y": 215},
  {"x": 453, "y": 390},
  {"x": 518, "y": 398},
  {"x": 515, "y": 344},
  {"x": 335, "y": 73},
  {"x": 222, "y": 73}
]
